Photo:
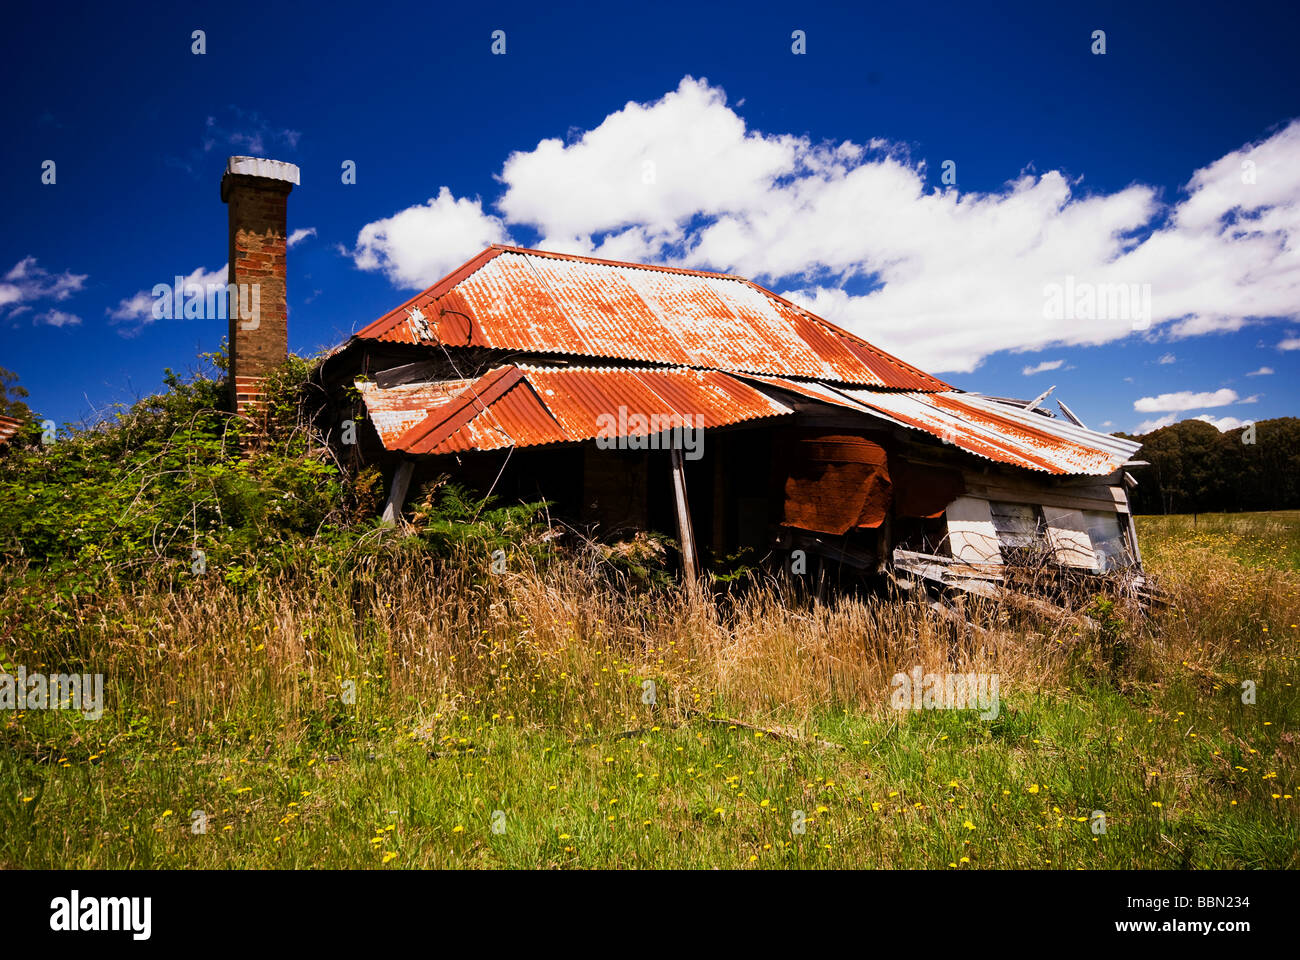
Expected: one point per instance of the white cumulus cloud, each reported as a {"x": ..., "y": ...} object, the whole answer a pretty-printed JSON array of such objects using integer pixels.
[
  {"x": 1222, "y": 424},
  {"x": 27, "y": 282},
  {"x": 417, "y": 246},
  {"x": 58, "y": 318},
  {"x": 136, "y": 311},
  {"x": 1042, "y": 367},
  {"x": 1184, "y": 400},
  {"x": 1146, "y": 426},
  {"x": 941, "y": 276}
]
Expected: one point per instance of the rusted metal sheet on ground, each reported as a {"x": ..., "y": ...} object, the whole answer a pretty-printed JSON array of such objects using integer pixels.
[{"x": 540, "y": 302}]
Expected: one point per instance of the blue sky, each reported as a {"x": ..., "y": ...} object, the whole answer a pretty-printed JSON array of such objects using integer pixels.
[{"x": 693, "y": 135}]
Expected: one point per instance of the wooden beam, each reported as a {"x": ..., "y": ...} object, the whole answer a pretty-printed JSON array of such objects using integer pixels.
[
  {"x": 397, "y": 492},
  {"x": 685, "y": 533},
  {"x": 1102, "y": 498}
]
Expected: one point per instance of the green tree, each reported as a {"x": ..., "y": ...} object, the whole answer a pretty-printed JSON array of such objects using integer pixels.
[{"x": 12, "y": 396}]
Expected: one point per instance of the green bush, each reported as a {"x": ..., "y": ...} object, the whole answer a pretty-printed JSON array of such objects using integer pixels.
[{"x": 164, "y": 490}]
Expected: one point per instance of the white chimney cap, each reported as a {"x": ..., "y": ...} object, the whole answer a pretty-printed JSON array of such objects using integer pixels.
[{"x": 259, "y": 167}]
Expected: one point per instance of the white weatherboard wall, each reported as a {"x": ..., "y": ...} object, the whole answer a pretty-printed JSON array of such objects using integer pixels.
[{"x": 971, "y": 536}]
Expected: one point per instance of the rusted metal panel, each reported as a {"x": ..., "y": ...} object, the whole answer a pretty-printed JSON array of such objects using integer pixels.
[
  {"x": 989, "y": 429},
  {"x": 517, "y": 419},
  {"x": 396, "y": 409},
  {"x": 530, "y": 406},
  {"x": 998, "y": 432},
  {"x": 9, "y": 427},
  {"x": 834, "y": 481},
  {"x": 442, "y": 424},
  {"x": 515, "y": 299}
]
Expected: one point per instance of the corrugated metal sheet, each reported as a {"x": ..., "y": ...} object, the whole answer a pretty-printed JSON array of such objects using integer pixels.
[
  {"x": 811, "y": 390},
  {"x": 578, "y": 397},
  {"x": 530, "y": 406},
  {"x": 982, "y": 426},
  {"x": 539, "y": 302},
  {"x": 515, "y": 419},
  {"x": 543, "y": 405},
  {"x": 1002, "y": 433},
  {"x": 395, "y": 410},
  {"x": 8, "y": 428}
]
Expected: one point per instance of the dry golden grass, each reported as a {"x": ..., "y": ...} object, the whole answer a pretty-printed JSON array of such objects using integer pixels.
[{"x": 436, "y": 633}]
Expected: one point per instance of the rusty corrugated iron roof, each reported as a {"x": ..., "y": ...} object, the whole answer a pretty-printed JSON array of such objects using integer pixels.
[
  {"x": 9, "y": 427},
  {"x": 705, "y": 325},
  {"x": 1001, "y": 432},
  {"x": 524, "y": 406},
  {"x": 539, "y": 302},
  {"x": 528, "y": 405}
]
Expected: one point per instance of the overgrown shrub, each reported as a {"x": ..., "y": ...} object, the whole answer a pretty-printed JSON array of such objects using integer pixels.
[{"x": 175, "y": 486}]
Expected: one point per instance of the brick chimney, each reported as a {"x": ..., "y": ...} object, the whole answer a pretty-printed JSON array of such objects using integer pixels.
[{"x": 256, "y": 192}]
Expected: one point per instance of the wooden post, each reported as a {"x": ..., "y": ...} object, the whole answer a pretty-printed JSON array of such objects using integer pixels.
[
  {"x": 397, "y": 492},
  {"x": 884, "y": 547},
  {"x": 685, "y": 533},
  {"x": 1133, "y": 540}
]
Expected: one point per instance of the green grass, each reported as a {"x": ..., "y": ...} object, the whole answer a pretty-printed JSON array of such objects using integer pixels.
[
  {"x": 1185, "y": 773},
  {"x": 930, "y": 791},
  {"x": 1259, "y": 539}
]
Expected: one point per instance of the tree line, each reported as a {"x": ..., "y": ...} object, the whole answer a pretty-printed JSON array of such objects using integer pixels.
[{"x": 1196, "y": 469}]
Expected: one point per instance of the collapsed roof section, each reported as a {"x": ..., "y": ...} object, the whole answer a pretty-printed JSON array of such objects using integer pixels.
[{"x": 1002, "y": 432}]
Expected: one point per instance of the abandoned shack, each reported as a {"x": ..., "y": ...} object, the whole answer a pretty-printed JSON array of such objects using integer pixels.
[{"x": 637, "y": 397}]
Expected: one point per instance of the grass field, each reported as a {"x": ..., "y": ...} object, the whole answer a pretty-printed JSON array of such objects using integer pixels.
[{"x": 409, "y": 717}]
